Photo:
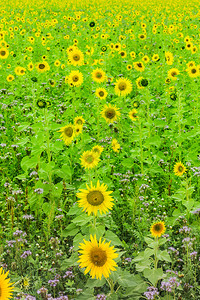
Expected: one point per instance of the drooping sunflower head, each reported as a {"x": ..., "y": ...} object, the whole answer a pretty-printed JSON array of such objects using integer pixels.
[
  {"x": 139, "y": 66},
  {"x": 115, "y": 145},
  {"x": 169, "y": 58},
  {"x": 173, "y": 73},
  {"x": 157, "y": 229},
  {"x": 110, "y": 113},
  {"x": 179, "y": 169},
  {"x": 95, "y": 199},
  {"x": 123, "y": 87},
  {"x": 89, "y": 160},
  {"x": 97, "y": 257},
  {"x": 98, "y": 75}
]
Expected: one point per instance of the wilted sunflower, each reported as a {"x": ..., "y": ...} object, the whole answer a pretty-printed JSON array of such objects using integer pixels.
[
  {"x": 97, "y": 257},
  {"x": 157, "y": 229},
  {"x": 139, "y": 66},
  {"x": 97, "y": 150},
  {"x": 42, "y": 66},
  {"x": 179, "y": 169},
  {"x": 95, "y": 199},
  {"x": 115, "y": 145},
  {"x": 89, "y": 160},
  {"x": 79, "y": 121},
  {"x": 98, "y": 75},
  {"x": 4, "y": 53},
  {"x": 172, "y": 73},
  {"x": 75, "y": 78},
  {"x": 110, "y": 113},
  {"x": 6, "y": 289},
  {"x": 101, "y": 93},
  {"x": 67, "y": 133},
  {"x": 76, "y": 57},
  {"x": 132, "y": 115},
  {"x": 123, "y": 87}
]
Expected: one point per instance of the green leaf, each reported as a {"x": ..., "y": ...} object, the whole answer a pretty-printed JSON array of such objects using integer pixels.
[
  {"x": 95, "y": 282},
  {"x": 164, "y": 255},
  {"x": 113, "y": 238},
  {"x": 188, "y": 204},
  {"x": 153, "y": 275},
  {"x": 70, "y": 230},
  {"x": 127, "y": 162},
  {"x": 98, "y": 230},
  {"x": 82, "y": 219}
]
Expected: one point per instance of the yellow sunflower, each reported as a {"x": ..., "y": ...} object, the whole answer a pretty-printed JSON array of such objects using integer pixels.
[
  {"x": 78, "y": 129},
  {"x": 98, "y": 75},
  {"x": 95, "y": 198},
  {"x": 110, "y": 113},
  {"x": 179, "y": 169},
  {"x": 155, "y": 57},
  {"x": 89, "y": 160},
  {"x": 123, "y": 87},
  {"x": 67, "y": 133},
  {"x": 75, "y": 78},
  {"x": 79, "y": 121},
  {"x": 132, "y": 115},
  {"x": 193, "y": 72},
  {"x": 5, "y": 287},
  {"x": 157, "y": 229},
  {"x": 139, "y": 66},
  {"x": 145, "y": 59},
  {"x": 42, "y": 66},
  {"x": 172, "y": 73},
  {"x": 10, "y": 78},
  {"x": 97, "y": 257},
  {"x": 101, "y": 93},
  {"x": 115, "y": 145},
  {"x": 76, "y": 57},
  {"x": 169, "y": 58},
  {"x": 4, "y": 53},
  {"x": 97, "y": 150},
  {"x": 138, "y": 82}
]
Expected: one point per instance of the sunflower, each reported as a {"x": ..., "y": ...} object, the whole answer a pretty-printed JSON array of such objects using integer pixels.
[
  {"x": 132, "y": 115},
  {"x": 172, "y": 73},
  {"x": 30, "y": 66},
  {"x": 78, "y": 130},
  {"x": 79, "y": 121},
  {"x": 101, "y": 93},
  {"x": 76, "y": 57},
  {"x": 4, "y": 53},
  {"x": 89, "y": 160},
  {"x": 110, "y": 113},
  {"x": 97, "y": 257},
  {"x": 67, "y": 133},
  {"x": 145, "y": 59},
  {"x": 98, "y": 75},
  {"x": 157, "y": 229},
  {"x": 5, "y": 287},
  {"x": 97, "y": 150},
  {"x": 193, "y": 72},
  {"x": 95, "y": 198},
  {"x": 10, "y": 78},
  {"x": 139, "y": 66},
  {"x": 138, "y": 82},
  {"x": 155, "y": 57},
  {"x": 75, "y": 78},
  {"x": 115, "y": 145},
  {"x": 179, "y": 169},
  {"x": 42, "y": 66},
  {"x": 123, "y": 87},
  {"x": 169, "y": 58}
]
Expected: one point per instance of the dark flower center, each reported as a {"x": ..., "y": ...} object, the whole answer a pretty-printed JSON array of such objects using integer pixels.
[
  {"x": 3, "y": 53},
  {"x": 41, "y": 66},
  {"x": 68, "y": 131},
  {"x": 89, "y": 159},
  {"x": 95, "y": 198},
  {"x": 122, "y": 86},
  {"x": 76, "y": 57},
  {"x": 98, "y": 256},
  {"x": 110, "y": 113}
]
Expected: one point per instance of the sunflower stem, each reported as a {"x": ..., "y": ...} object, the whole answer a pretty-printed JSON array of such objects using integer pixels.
[
  {"x": 141, "y": 148},
  {"x": 111, "y": 284}
]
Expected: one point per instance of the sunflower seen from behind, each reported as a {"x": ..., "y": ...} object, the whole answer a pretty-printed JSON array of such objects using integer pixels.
[
  {"x": 6, "y": 288},
  {"x": 97, "y": 257},
  {"x": 179, "y": 169},
  {"x": 95, "y": 198},
  {"x": 157, "y": 229}
]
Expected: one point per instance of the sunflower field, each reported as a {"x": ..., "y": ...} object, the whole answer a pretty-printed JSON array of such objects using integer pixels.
[{"x": 100, "y": 150}]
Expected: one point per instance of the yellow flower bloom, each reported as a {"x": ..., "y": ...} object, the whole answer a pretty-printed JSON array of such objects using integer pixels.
[
  {"x": 5, "y": 287},
  {"x": 89, "y": 160},
  {"x": 179, "y": 169},
  {"x": 110, "y": 113},
  {"x": 157, "y": 229}
]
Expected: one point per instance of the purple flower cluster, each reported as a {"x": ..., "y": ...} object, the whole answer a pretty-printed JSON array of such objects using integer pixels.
[
  {"x": 26, "y": 254},
  {"x": 170, "y": 285},
  {"x": 100, "y": 297},
  {"x": 185, "y": 229},
  {"x": 151, "y": 293},
  {"x": 68, "y": 274}
]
